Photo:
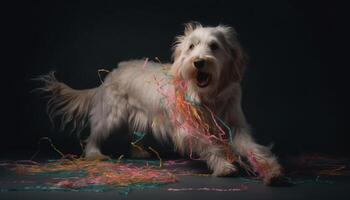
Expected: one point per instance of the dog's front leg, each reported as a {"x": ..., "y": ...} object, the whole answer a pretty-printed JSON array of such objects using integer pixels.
[
  {"x": 260, "y": 157},
  {"x": 217, "y": 160},
  {"x": 198, "y": 146}
]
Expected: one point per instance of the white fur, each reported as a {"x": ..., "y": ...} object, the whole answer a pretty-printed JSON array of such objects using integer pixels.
[{"x": 130, "y": 95}]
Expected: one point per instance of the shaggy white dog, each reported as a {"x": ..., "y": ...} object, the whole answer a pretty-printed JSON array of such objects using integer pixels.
[{"x": 211, "y": 60}]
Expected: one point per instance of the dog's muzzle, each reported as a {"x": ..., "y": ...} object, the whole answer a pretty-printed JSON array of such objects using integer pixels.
[{"x": 203, "y": 78}]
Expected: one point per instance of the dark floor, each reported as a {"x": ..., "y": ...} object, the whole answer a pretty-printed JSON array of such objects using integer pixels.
[
  {"x": 309, "y": 187},
  {"x": 336, "y": 190}
]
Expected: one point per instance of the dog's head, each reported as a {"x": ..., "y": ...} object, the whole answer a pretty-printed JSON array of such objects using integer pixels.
[{"x": 210, "y": 58}]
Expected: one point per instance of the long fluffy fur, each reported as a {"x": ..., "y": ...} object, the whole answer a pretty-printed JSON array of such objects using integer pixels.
[
  {"x": 130, "y": 95},
  {"x": 69, "y": 104}
]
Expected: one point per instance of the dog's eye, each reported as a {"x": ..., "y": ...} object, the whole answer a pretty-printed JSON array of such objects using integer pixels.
[
  {"x": 191, "y": 46},
  {"x": 214, "y": 46}
]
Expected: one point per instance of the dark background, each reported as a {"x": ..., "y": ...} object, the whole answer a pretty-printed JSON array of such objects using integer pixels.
[{"x": 295, "y": 88}]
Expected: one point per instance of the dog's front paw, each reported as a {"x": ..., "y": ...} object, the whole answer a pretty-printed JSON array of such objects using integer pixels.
[
  {"x": 224, "y": 169},
  {"x": 273, "y": 177}
]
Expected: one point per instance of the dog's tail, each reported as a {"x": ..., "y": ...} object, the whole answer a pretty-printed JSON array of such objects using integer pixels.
[{"x": 72, "y": 105}]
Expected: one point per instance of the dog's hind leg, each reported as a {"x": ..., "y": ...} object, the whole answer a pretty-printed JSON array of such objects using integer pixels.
[
  {"x": 138, "y": 123},
  {"x": 92, "y": 149},
  {"x": 108, "y": 113}
]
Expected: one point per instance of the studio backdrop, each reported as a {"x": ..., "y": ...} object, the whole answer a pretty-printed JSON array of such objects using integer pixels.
[{"x": 294, "y": 88}]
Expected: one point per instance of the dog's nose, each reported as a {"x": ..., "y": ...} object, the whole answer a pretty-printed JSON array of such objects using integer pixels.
[{"x": 199, "y": 63}]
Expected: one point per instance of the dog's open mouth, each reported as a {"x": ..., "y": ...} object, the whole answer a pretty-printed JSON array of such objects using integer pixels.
[{"x": 203, "y": 79}]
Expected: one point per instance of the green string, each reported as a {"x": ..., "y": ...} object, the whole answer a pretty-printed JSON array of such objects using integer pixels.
[{"x": 139, "y": 136}]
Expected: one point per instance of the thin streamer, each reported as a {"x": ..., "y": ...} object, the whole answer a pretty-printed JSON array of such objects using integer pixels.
[{"x": 210, "y": 189}]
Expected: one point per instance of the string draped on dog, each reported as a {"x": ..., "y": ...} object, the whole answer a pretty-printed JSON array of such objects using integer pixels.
[{"x": 192, "y": 117}]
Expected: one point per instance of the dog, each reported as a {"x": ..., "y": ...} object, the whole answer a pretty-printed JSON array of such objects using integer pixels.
[{"x": 211, "y": 61}]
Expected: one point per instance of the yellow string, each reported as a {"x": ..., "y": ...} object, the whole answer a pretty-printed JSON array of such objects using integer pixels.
[
  {"x": 160, "y": 159},
  {"x": 99, "y": 75},
  {"x": 51, "y": 144}
]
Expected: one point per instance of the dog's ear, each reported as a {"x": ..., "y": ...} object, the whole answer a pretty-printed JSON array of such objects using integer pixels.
[
  {"x": 239, "y": 58},
  {"x": 239, "y": 62}
]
